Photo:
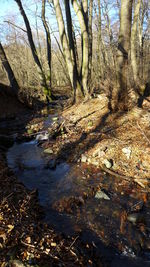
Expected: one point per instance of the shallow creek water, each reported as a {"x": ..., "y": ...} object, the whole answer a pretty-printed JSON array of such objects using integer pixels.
[{"x": 100, "y": 220}]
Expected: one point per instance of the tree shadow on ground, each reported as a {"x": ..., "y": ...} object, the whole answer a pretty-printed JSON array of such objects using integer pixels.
[{"x": 93, "y": 136}]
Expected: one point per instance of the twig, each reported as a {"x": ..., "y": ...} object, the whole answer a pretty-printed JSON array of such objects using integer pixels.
[
  {"x": 27, "y": 245},
  {"x": 42, "y": 252},
  {"x": 73, "y": 242},
  {"x": 41, "y": 132},
  {"x": 16, "y": 26},
  {"x": 5, "y": 198},
  {"x": 142, "y": 132},
  {"x": 127, "y": 178}
]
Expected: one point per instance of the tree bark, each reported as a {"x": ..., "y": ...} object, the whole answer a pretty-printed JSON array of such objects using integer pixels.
[
  {"x": 101, "y": 52},
  {"x": 90, "y": 39},
  {"x": 9, "y": 71},
  {"x": 84, "y": 34},
  {"x": 48, "y": 41},
  {"x": 121, "y": 94},
  {"x": 71, "y": 37},
  {"x": 32, "y": 45},
  {"x": 66, "y": 50},
  {"x": 134, "y": 62}
]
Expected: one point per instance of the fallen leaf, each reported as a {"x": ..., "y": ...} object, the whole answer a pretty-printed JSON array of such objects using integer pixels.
[
  {"x": 28, "y": 240},
  {"x": 11, "y": 227},
  {"x": 53, "y": 244}
]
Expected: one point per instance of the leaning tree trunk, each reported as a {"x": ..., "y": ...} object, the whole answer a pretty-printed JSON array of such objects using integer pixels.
[
  {"x": 32, "y": 46},
  {"x": 134, "y": 62},
  {"x": 120, "y": 94},
  {"x": 9, "y": 71}
]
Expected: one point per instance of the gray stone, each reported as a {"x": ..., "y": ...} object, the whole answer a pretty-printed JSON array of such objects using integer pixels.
[
  {"x": 42, "y": 137},
  {"x": 127, "y": 151},
  {"x": 55, "y": 119},
  {"x": 135, "y": 218},
  {"x": 101, "y": 195},
  {"x": 48, "y": 151},
  {"x": 83, "y": 158},
  {"x": 107, "y": 163}
]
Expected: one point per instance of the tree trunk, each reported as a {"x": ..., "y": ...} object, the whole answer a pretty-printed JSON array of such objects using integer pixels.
[
  {"x": 102, "y": 56},
  {"x": 134, "y": 62},
  {"x": 9, "y": 71},
  {"x": 84, "y": 34},
  {"x": 120, "y": 94},
  {"x": 49, "y": 54},
  {"x": 90, "y": 39},
  {"x": 66, "y": 50},
  {"x": 48, "y": 41},
  {"x": 71, "y": 38},
  {"x": 32, "y": 45}
]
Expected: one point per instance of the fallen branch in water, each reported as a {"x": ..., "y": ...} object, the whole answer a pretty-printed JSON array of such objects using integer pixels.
[{"x": 127, "y": 178}]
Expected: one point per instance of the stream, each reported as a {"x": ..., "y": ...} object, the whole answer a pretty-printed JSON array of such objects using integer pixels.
[{"x": 67, "y": 193}]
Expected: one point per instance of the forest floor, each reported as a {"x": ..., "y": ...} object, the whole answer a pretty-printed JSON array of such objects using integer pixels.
[{"x": 115, "y": 147}]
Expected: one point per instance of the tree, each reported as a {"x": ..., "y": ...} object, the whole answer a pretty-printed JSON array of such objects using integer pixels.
[
  {"x": 120, "y": 94},
  {"x": 134, "y": 36},
  {"x": 9, "y": 71},
  {"x": 68, "y": 47},
  {"x": 90, "y": 33},
  {"x": 81, "y": 10},
  {"x": 48, "y": 41},
  {"x": 33, "y": 49}
]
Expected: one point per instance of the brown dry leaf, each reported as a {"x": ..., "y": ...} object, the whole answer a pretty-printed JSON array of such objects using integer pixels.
[
  {"x": 28, "y": 240},
  {"x": 11, "y": 227},
  {"x": 139, "y": 183},
  {"x": 53, "y": 244},
  {"x": 1, "y": 217},
  {"x": 24, "y": 255},
  {"x": 145, "y": 197},
  {"x": 123, "y": 220},
  {"x": 47, "y": 250}
]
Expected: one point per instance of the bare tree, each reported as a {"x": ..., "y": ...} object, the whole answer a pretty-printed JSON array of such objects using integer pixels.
[
  {"x": 134, "y": 36},
  {"x": 48, "y": 41},
  {"x": 81, "y": 10},
  {"x": 33, "y": 48},
  {"x": 120, "y": 93},
  {"x": 9, "y": 71},
  {"x": 90, "y": 39},
  {"x": 69, "y": 57}
]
